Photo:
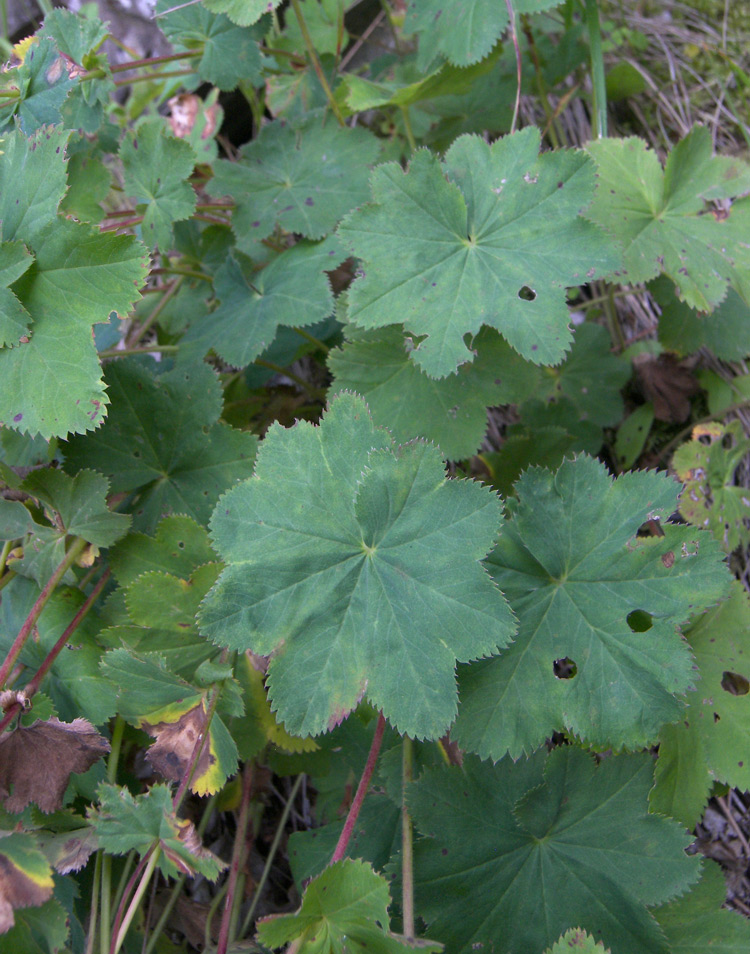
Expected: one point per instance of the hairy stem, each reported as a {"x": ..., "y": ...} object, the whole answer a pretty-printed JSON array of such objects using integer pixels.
[
  {"x": 238, "y": 851},
  {"x": 315, "y": 61},
  {"x": 407, "y": 856},
  {"x": 364, "y": 784},
  {"x": 133, "y": 907},
  {"x": 76, "y": 549}
]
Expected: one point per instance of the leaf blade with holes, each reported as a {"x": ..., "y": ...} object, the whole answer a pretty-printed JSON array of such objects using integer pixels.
[
  {"x": 579, "y": 834},
  {"x": 579, "y": 580},
  {"x": 449, "y": 247},
  {"x": 346, "y": 582}
]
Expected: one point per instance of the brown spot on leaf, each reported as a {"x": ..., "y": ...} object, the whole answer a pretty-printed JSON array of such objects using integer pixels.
[{"x": 37, "y": 761}]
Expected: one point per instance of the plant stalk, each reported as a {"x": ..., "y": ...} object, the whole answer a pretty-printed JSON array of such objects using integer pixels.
[
  {"x": 76, "y": 549},
  {"x": 315, "y": 61},
  {"x": 407, "y": 839},
  {"x": 238, "y": 851},
  {"x": 599, "y": 111},
  {"x": 364, "y": 784}
]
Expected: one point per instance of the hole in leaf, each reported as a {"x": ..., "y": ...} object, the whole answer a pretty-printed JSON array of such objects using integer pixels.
[
  {"x": 526, "y": 294},
  {"x": 564, "y": 668},
  {"x": 717, "y": 717},
  {"x": 640, "y": 621},
  {"x": 181, "y": 544},
  {"x": 735, "y": 684}
]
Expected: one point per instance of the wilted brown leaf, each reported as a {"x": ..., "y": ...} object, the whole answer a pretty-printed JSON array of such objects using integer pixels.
[
  {"x": 18, "y": 890},
  {"x": 175, "y": 742},
  {"x": 668, "y": 384},
  {"x": 37, "y": 761}
]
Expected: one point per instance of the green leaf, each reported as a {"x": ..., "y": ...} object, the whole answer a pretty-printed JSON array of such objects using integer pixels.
[
  {"x": 32, "y": 181},
  {"x": 15, "y": 259},
  {"x": 632, "y": 435},
  {"x": 229, "y": 54},
  {"x": 80, "y": 503},
  {"x": 42, "y": 930},
  {"x": 162, "y": 440},
  {"x": 292, "y": 290},
  {"x": 343, "y": 910},
  {"x": 450, "y": 411},
  {"x": 590, "y": 376},
  {"x": 242, "y": 12},
  {"x": 322, "y": 20},
  {"x": 710, "y": 743},
  {"x": 52, "y": 383},
  {"x": 462, "y": 36},
  {"x": 450, "y": 246},
  {"x": 123, "y": 823},
  {"x": 303, "y": 178},
  {"x": 43, "y": 82},
  {"x": 357, "y": 565},
  {"x": 696, "y": 922},
  {"x": 706, "y": 465},
  {"x": 89, "y": 182},
  {"x": 726, "y": 331},
  {"x": 572, "y": 847},
  {"x": 663, "y": 219},
  {"x": 156, "y": 167},
  {"x": 179, "y": 546},
  {"x": 598, "y": 650},
  {"x": 577, "y": 940},
  {"x": 176, "y": 715}
]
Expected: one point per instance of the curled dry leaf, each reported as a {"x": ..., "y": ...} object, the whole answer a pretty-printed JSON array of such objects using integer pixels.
[
  {"x": 25, "y": 877},
  {"x": 668, "y": 384},
  {"x": 175, "y": 742},
  {"x": 37, "y": 761}
]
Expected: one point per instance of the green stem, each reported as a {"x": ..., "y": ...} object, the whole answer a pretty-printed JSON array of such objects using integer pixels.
[
  {"x": 407, "y": 128},
  {"x": 7, "y": 547},
  {"x": 599, "y": 111},
  {"x": 321, "y": 345},
  {"x": 519, "y": 71},
  {"x": 315, "y": 61},
  {"x": 122, "y": 884},
  {"x": 141, "y": 331},
  {"x": 305, "y": 385},
  {"x": 5, "y": 580},
  {"x": 407, "y": 856},
  {"x": 90, "y": 937},
  {"x": 146, "y": 349},
  {"x": 76, "y": 549},
  {"x": 271, "y": 855},
  {"x": 133, "y": 907},
  {"x": 187, "y": 272},
  {"x": 149, "y": 77},
  {"x": 106, "y": 876}
]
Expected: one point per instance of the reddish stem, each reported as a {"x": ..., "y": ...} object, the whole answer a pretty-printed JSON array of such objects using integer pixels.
[
  {"x": 77, "y": 547},
  {"x": 125, "y": 224},
  {"x": 237, "y": 853},
  {"x": 125, "y": 899},
  {"x": 364, "y": 784},
  {"x": 52, "y": 655}
]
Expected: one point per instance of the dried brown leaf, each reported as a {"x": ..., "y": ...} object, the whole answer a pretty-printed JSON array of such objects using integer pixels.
[
  {"x": 175, "y": 742},
  {"x": 36, "y": 761}
]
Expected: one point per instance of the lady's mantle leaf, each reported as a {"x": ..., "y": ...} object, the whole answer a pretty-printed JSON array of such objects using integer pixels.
[
  {"x": 25, "y": 876},
  {"x": 706, "y": 465},
  {"x": 162, "y": 439},
  {"x": 36, "y": 761},
  {"x": 78, "y": 505},
  {"x": 696, "y": 923},
  {"x": 664, "y": 219},
  {"x": 537, "y": 849},
  {"x": 357, "y": 565},
  {"x": 291, "y": 289},
  {"x": 598, "y": 650},
  {"x": 229, "y": 53},
  {"x": 156, "y": 167},
  {"x": 242, "y": 12},
  {"x": 123, "y": 822},
  {"x": 492, "y": 236},
  {"x": 712, "y": 740},
  {"x": 450, "y": 411},
  {"x": 343, "y": 910},
  {"x": 304, "y": 178},
  {"x": 576, "y": 940},
  {"x": 15, "y": 259},
  {"x": 175, "y": 714}
]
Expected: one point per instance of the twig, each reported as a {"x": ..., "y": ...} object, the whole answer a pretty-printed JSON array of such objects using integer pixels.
[{"x": 238, "y": 851}]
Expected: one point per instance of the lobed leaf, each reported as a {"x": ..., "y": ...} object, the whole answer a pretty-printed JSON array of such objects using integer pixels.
[
  {"x": 357, "y": 565},
  {"x": 598, "y": 650}
]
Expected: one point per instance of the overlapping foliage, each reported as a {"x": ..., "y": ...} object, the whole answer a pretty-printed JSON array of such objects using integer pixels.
[{"x": 258, "y": 508}]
